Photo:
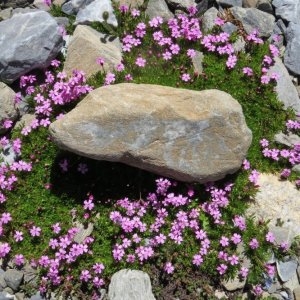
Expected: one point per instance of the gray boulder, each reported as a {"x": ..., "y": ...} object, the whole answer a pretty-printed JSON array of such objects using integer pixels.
[
  {"x": 13, "y": 279},
  {"x": 130, "y": 285},
  {"x": 7, "y": 107},
  {"x": 288, "y": 10},
  {"x": 183, "y": 134},
  {"x": 292, "y": 53},
  {"x": 253, "y": 18},
  {"x": 93, "y": 12},
  {"x": 285, "y": 89},
  {"x": 158, "y": 8},
  {"x": 208, "y": 19},
  {"x": 36, "y": 42}
]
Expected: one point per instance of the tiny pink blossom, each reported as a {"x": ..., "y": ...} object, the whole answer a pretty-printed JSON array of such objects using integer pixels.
[
  {"x": 35, "y": 231},
  {"x": 169, "y": 268},
  {"x": 254, "y": 244}
]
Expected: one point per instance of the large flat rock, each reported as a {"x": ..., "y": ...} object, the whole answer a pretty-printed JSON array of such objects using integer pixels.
[{"x": 186, "y": 135}]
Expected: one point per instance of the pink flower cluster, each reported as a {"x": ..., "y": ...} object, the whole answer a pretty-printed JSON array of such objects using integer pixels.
[{"x": 56, "y": 91}]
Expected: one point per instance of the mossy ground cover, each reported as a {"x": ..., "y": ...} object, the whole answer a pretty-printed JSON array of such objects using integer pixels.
[{"x": 48, "y": 195}]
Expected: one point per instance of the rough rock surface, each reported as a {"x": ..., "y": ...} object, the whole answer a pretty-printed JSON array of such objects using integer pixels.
[
  {"x": 36, "y": 42},
  {"x": 208, "y": 19},
  {"x": 7, "y": 108},
  {"x": 183, "y": 134},
  {"x": 292, "y": 53},
  {"x": 254, "y": 19},
  {"x": 158, "y": 8},
  {"x": 86, "y": 46},
  {"x": 286, "y": 91},
  {"x": 93, "y": 12},
  {"x": 15, "y": 3},
  {"x": 130, "y": 285},
  {"x": 13, "y": 278},
  {"x": 181, "y": 4},
  {"x": 230, "y": 3},
  {"x": 277, "y": 200},
  {"x": 288, "y": 10}
]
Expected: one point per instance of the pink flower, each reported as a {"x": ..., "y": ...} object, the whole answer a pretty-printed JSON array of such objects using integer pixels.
[
  {"x": 265, "y": 79},
  {"x": 185, "y": 77},
  {"x": 219, "y": 21},
  {"x": 6, "y": 218},
  {"x": 19, "y": 259},
  {"x": 236, "y": 238},
  {"x": 257, "y": 290},
  {"x": 197, "y": 260},
  {"x": 18, "y": 236},
  {"x": 82, "y": 168},
  {"x": 222, "y": 269},
  {"x": 100, "y": 61},
  {"x": 234, "y": 260},
  {"x": 231, "y": 61},
  {"x": 248, "y": 71},
  {"x": 191, "y": 53},
  {"x": 253, "y": 177},
  {"x": 224, "y": 241},
  {"x": 4, "y": 249},
  {"x": 254, "y": 244},
  {"x": 246, "y": 164},
  {"x": 135, "y": 12},
  {"x": 35, "y": 231},
  {"x": 141, "y": 62},
  {"x": 109, "y": 78},
  {"x": 169, "y": 268},
  {"x": 244, "y": 272},
  {"x": 128, "y": 77},
  {"x": 56, "y": 228},
  {"x": 85, "y": 275},
  {"x": 98, "y": 268},
  {"x": 98, "y": 282}
]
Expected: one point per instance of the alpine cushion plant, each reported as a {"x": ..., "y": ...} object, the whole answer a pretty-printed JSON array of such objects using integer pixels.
[{"x": 178, "y": 229}]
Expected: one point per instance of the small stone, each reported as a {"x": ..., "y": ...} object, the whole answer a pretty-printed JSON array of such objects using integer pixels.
[
  {"x": 286, "y": 269},
  {"x": 220, "y": 295},
  {"x": 7, "y": 107},
  {"x": 130, "y": 285},
  {"x": 234, "y": 284},
  {"x": 289, "y": 139},
  {"x": 229, "y": 28},
  {"x": 198, "y": 62},
  {"x": 83, "y": 233},
  {"x": 13, "y": 279}
]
